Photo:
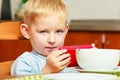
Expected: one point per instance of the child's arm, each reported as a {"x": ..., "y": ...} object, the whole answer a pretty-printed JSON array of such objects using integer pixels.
[{"x": 56, "y": 61}]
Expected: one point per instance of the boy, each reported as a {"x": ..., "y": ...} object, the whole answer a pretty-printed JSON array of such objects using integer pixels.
[{"x": 45, "y": 25}]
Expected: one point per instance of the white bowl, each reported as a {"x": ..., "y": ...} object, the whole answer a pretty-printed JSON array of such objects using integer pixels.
[{"x": 98, "y": 59}]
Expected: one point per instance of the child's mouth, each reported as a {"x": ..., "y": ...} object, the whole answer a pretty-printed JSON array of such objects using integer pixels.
[{"x": 51, "y": 48}]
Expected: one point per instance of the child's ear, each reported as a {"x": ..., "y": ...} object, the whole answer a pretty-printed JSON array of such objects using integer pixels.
[
  {"x": 25, "y": 30},
  {"x": 67, "y": 28}
]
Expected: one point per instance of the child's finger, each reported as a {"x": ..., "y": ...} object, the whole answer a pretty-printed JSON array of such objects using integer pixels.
[
  {"x": 59, "y": 52},
  {"x": 63, "y": 57},
  {"x": 65, "y": 62}
]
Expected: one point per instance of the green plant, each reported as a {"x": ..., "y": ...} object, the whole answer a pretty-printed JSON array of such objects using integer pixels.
[{"x": 24, "y": 1}]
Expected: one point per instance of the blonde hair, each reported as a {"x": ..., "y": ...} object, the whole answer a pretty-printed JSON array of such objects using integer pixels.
[{"x": 42, "y": 8}]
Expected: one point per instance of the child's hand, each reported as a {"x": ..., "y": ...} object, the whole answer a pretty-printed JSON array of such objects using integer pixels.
[{"x": 56, "y": 61}]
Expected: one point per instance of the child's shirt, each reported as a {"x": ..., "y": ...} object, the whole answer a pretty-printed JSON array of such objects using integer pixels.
[{"x": 31, "y": 63}]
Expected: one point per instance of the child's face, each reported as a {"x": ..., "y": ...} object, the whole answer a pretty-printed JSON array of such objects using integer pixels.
[{"x": 47, "y": 34}]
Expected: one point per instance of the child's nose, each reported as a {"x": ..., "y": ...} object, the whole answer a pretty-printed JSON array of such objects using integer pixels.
[{"x": 51, "y": 39}]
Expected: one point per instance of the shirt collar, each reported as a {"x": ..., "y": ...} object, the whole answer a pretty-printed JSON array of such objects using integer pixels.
[{"x": 35, "y": 53}]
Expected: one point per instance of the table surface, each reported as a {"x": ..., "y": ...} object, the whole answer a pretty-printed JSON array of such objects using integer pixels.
[
  {"x": 2, "y": 77},
  {"x": 23, "y": 77}
]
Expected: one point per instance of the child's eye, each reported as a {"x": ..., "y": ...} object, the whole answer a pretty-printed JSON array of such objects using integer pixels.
[
  {"x": 43, "y": 31},
  {"x": 59, "y": 31}
]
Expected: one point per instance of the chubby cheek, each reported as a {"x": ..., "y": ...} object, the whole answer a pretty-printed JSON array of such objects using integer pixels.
[
  {"x": 60, "y": 41},
  {"x": 38, "y": 45}
]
